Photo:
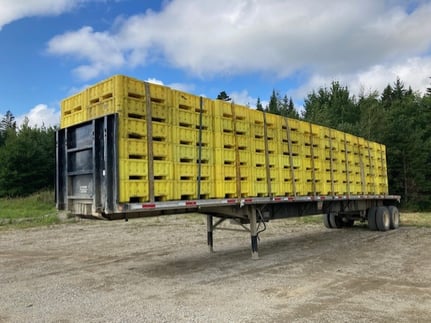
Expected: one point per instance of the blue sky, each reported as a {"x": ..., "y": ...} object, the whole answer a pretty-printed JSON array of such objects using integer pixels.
[{"x": 50, "y": 49}]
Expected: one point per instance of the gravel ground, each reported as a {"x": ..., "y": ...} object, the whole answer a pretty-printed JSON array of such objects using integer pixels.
[{"x": 160, "y": 270}]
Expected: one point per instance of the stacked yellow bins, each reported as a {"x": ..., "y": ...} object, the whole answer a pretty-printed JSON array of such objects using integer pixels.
[{"x": 174, "y": 145}]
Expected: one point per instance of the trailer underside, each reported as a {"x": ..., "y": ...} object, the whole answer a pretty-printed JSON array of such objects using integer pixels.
[{"x": 251, "y": 215}]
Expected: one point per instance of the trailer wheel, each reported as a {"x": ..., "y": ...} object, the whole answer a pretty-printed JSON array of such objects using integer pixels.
[
  {"x": 326, "y": 221},
  {"x": 394, "y": 217},
  {"x": 335, "y": 221},
  {"x": 383, "y": 218},
  {"x": 371, "y": 216}
]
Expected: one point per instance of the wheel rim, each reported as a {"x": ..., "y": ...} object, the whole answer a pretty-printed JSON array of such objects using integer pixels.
[
  {"x": 396, "y": 218},
  {"x": 386, "y": 219}
]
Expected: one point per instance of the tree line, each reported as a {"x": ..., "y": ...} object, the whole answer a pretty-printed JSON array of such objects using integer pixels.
[
  {"x": 398, "y": 118},
  {"x": 27, "y": 157}
]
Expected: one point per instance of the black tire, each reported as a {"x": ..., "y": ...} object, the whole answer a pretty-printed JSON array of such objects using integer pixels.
[
  {"x": 335, "y": 221},
  {"x": 371, "y": 216},
  {"x": 383, "y": 218},
  {"x": 326, "y": 221},
  {"x": 394, "y": 217}
]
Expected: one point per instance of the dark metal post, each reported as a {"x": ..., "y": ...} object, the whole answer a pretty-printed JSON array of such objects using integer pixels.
[
  {"x": 253, "y": 232},
  {"x": 210, "y": 230}
]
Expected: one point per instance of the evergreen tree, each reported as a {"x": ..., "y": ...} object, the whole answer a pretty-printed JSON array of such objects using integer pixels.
[
  {"x": 291, "y": 111},
  {"x": 333, "y": 107},
  {"x": 259, "y": 105},
  {"x": 283, "y": 106},
  {"x": 7, "y": 126},
  {"x": 406, "y": 136},
  {"x": 27, "y": 161},
  {"x": 386, "y": 97},
  {"x": 273, "y": 106},
  {"x": 223, "y": 96},
  {"x": 372, "y": 117},
  {"x": 428, "y": 91}
]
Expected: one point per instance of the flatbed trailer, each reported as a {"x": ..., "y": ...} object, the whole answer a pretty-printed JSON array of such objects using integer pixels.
[{"x": 88, "y": 179}]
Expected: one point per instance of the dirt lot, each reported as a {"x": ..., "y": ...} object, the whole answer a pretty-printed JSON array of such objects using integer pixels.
[{"x": 159, "y": 270}]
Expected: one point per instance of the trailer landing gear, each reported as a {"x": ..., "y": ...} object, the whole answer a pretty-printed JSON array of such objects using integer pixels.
[{"x": 250, "y": 219}]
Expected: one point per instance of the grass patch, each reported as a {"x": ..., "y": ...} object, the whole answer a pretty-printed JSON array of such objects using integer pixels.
[
  {"x": 307, "y": 219},
  {"x": 416, "y": 219},
  {"x": 34, "y": 210}
]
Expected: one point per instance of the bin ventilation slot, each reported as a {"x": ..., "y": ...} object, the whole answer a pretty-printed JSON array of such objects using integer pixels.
[
  {"x": 134, "y": 199},
  {"x": 136, "y": 177},
  {"x": 135, "y": 136},
  {"x": 136, "y": 116},
  {"x": 136, "y": 157},
  {"x": 158, "y": 119},
  {"x": 135, "y": 95},
  {"x": 184, "y": 107},
  {"x": 107, "y": 96}
]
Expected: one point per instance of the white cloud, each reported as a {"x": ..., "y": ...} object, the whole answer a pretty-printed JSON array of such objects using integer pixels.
[
  {"x": 12, "y": 10},
  {"x": 414, "y": 72},
  {"x": 185, "y": 87},
  {"x": 40, "y": 115},
  {"x": 273, "y": 37},
  {"x": 243, "y": 98},
  {"x": 177, "y": 86},
  {"x": 155, "y": 81},
  {"x": 99, "y": 48}
]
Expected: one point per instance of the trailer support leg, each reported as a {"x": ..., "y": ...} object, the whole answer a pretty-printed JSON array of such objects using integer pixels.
[
  {"x": 210, "y": 230},
  {"x": 253, "y": 232}
]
